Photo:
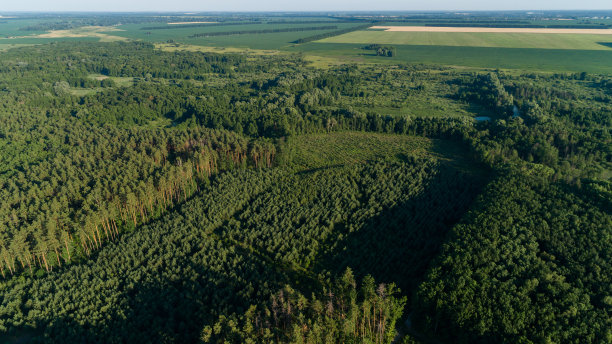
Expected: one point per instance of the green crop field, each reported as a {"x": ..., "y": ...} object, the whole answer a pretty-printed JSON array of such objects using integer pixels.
[
  {"x": 10, "y": 27},
  {"x": 484, "y": 39},
  {"x": 527, "y": 51},
  {"x": 548, "y": 60},
  {"x": 252, "y": 41},
  {"x": 274, "y": 41}
]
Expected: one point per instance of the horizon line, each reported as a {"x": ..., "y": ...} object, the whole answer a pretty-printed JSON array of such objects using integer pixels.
[{"x": 187, "y": 11}]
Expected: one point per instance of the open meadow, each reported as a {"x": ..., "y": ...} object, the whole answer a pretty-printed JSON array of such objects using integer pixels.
[
  {"x": 552, "y": 50},
  {"x": 263, "y": 39},
  {"x": 544, "y": 60}
]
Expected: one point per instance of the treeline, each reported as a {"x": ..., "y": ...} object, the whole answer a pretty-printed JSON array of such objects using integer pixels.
[
  {"x": 94, "y": 183},
  {"x": 244, "y": 32},
  {"x": 333, "y": 21},
  {"x": 117, "y": 60},
  {"x": 332, "y": 34},
  {"x": 73, "y": 22},
  {"x": 211, "y": 24},
  {"x": 163, "y": 282},
  {"x": 342, "y": 314}
]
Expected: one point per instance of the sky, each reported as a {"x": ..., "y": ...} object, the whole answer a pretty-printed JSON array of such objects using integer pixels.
[{"x": 292, "y": 5}]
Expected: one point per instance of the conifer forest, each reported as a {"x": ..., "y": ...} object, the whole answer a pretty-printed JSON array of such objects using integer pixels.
[{"x": 165, "y": 192}]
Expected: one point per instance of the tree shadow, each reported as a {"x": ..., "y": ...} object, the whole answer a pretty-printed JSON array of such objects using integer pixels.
[
  {"x": 398, "y": 244},
  {"x": 318, "y": 169},
  {"x": 605, "y": 44},
  {"x": 166, "y": 310}
]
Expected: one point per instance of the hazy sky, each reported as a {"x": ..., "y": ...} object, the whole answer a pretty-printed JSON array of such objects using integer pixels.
[{"x": 290, "y": 5}]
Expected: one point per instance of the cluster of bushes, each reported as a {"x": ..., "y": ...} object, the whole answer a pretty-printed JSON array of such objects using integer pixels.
[{"x": 382, "y": 50}]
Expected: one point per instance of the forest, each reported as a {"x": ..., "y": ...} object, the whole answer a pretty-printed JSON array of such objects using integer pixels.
[{"x": 153, "y": 196}]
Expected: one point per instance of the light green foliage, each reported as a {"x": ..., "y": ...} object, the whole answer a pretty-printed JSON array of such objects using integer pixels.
[
  {"x": 344, "y": 314},
  {"x": 349, "y": 148}
]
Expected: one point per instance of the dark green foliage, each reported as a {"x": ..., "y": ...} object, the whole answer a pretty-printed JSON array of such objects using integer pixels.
[
  {"x": 233, "y": 176},
  {"x": 244, "y": 32},
  {"x": 182, "y": 26},
  {"x": 339, "y": 206},
  {"x": 404, "y": 216},
  {"x": 381, "y": 50},
  {"x": 71, "y": 21},
  {"x": 530, "y": 261},
  {"x": 157, "y": 285}
]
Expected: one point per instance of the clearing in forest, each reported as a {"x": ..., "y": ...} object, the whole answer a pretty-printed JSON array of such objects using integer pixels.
[
  {"x": 171, "y": 47},
  {"x": 347, "y": 148}
]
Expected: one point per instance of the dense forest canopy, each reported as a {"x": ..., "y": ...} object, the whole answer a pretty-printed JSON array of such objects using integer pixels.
[{"x": 184, "y": 196}]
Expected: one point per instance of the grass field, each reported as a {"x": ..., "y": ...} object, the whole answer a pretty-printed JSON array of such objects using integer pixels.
[
  {"x": 480, "y": 39},
  {"x": 545, "y": 60},
  {"x": 346, "y": 148},
  {"x": 10, "y": 27},
  {"x": 542, "y": 22},
  {"x": 314, "y": 151},
  {"x": 430, "y": 106},
  {"x": 491, "y": 29},
  {"x": 119, "y": 81},
  {"x": 267, "y": 41}
]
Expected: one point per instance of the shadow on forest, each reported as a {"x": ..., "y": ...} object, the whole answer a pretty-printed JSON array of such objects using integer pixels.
[
  {"x": 177, "y": 297},
  {"x": 169, "y": 313},
  {"x": 318, "y": 169},
  {"x": 398, "y": 244},
  {"x": 164, "y": 311},
  {"x": 605, "y": 44}
]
